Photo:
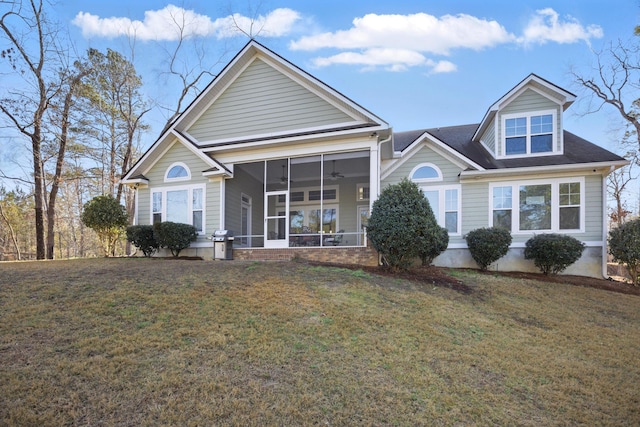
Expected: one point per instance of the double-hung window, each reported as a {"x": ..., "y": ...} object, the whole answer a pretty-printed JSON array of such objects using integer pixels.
[
  {"x": 553, "y": 205},
  {"x": 529, "y": 133},
  {"x": 445, "y": 204}
]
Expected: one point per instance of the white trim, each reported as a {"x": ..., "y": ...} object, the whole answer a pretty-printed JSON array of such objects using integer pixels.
[
  {"x": 437, "y": 147},
  {"x": 424, "y": 180},
  {"x": 280, "y": 135},
  {"x": 223, "y": 197},
  {"x": 180, "y": 178},
  {"x": 565, "y": 99},
  {"x": 522, "y": 245},
  {"x": 442, "y": 210},
  {"x": 190, "y": 187},
  {"x": 362, "y": 186},
  {"x": 539, "y": 170},
  {"x": 555, "y": 204},
  {"x": 502, "y": 154}
]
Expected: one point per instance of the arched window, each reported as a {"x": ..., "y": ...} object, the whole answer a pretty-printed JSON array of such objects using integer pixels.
[
  {"x": 177, "y": 172},
  {"x": 426, "y": 172}
]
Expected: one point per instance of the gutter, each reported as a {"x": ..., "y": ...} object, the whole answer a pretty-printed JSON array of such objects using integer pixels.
[{"x": 537, "y": 170}]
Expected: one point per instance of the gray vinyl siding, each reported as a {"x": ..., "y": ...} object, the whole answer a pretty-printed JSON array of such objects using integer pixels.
[
  {"x": 263, "y": 100},
  {"x": 489, "y": 137},
  {"x": 179, "y": 153},
  {"x": 528, "y": 102},
  {"x": 593, "y": 215},
  {"x": 449, "y": 170},
  {"x": 475, "y": 206}
]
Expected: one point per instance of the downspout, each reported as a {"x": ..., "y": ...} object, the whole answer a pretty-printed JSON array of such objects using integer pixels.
[
  {"x": 373, "y": 196},
  {"x": 378, "y": 173},
  {"x": 605, "y": 252}
]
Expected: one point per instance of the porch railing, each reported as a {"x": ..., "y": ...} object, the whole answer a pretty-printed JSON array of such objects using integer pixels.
[{"x": 347, "y": 238}]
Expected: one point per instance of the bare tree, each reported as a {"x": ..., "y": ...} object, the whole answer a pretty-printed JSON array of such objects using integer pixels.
[
  {"x": 62, "y": 115},
  {"x": 615, "y": 82},
  {"x": 617, "y": 182},
  {"x": 22, "y": 26}
]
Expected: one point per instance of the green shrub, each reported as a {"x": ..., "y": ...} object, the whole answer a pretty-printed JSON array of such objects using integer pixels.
[
  {"x": 142, "y": 237},
  {"x": 487, "y": 245},
  {"x": 624, "y": 246},
  {"x": 433, "y": 242},
  {"x": 402, "y": 226},
  {"x": 108, "y": 219},
  {"x": 553, "y": 253},
  {"x": 174, "y": 236}
]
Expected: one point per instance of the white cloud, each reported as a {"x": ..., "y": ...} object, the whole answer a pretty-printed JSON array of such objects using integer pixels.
[
  {"x": 399, "y": 42},
  {"x": 166, "y": 24},
  {"x": 388, "y": 58},
  {"x": 419, "y": 32},
  {"x": 546, "y": 26}
]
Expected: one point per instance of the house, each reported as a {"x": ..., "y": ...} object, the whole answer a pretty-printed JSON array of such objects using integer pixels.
[{"x": 292, "y": 167}]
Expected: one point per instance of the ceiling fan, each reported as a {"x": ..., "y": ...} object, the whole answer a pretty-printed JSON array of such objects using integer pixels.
[
  {"x": 283, "y": 178},
  {"x": 335, "y": 175}
]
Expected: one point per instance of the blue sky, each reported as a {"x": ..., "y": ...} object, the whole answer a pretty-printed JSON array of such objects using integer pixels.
[{"x": 416, "y": 64}]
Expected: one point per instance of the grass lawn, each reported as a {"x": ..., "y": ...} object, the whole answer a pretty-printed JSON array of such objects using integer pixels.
[{"x": 140, "y": 342}]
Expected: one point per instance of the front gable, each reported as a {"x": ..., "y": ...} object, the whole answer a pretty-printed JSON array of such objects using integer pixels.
[{"x": 262, "y": 100}]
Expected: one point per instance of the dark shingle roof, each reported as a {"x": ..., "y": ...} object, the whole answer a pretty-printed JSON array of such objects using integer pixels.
[{"x": 576, "y": 150}]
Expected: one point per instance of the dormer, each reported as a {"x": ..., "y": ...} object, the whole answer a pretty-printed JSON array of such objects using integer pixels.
[{"x": 526, "y": 121}]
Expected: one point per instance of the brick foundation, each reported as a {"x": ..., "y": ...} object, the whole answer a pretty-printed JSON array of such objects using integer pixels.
[{"x": 365, "y": 256}]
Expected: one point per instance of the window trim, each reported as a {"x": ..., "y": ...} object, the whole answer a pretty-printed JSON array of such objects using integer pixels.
[
  {"x": 528, "y": 115},
  {"x": 555, "y": 204},
  {"x": 442, "y": 208},
  {"x": 422, "y": 180},
  {"x": 190, "y": 210},
  {"x": 360, "y": 189},
  {"x": 181, "y": 178}
]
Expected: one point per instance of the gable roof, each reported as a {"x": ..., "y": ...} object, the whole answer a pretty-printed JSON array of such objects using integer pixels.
[
  {"x": 535, "y": 82},
  {"x": 357, "y": 118},
  {"x": 349, "y": 114},
  {"x": 577, "y": 151}
]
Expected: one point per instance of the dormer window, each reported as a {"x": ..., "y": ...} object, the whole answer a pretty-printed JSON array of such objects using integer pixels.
[{"x": 529, "y": 133}]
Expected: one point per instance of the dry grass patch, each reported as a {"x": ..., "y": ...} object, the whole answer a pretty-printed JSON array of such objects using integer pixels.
[{"x": 169, "y": 342}]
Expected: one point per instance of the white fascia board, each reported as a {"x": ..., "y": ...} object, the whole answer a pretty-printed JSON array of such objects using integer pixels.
[
  {"x": 538, "y": 170},
  {"x": 287, "y": 134},
  {"x": 229, "y": 145},
  {"x": 195, "y": 150}
]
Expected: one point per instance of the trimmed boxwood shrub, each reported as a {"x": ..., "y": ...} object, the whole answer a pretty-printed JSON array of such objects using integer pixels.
[
  {"x": 433, "y": 242},
  {"x": 553, "y": 253},
  {"x": 488, "y": 245},
  {"x": 174, "y": 236},
  {"x": 142, "y": 237},
  {"x": 624, "y": 246},
  {"x": 402, "y": 226}
]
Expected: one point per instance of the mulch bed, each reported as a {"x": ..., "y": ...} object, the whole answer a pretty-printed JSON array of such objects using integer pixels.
[{"x": 439, "y": 277}]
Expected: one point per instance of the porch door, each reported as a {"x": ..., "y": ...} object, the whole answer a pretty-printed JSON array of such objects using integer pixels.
[
  {"x": 245, "y": 220},
  {"x": 276, "y": 218},
  {"x": 363, "y": 216}
]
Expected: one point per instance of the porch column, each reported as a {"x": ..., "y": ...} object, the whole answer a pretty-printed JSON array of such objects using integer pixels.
[{"x": 374, "y": 173}]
